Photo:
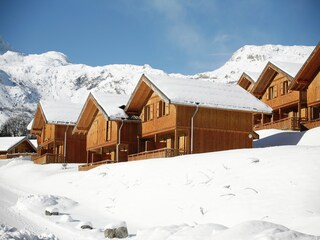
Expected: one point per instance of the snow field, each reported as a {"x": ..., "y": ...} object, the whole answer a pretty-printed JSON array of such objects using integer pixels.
[{"x": 237, "y": 194}]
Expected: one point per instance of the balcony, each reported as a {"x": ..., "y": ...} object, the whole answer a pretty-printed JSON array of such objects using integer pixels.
[
  {"x": 290, "y": 123},
  {"x": 158, "y": 153},
  {"x": 312, "y": 123},
  {"x": 88, "y": 166},
  {"x": 48, "y": 158}
]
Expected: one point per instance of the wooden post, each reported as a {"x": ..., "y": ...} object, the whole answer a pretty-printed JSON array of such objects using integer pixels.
[
  {"x": 176, "y": 139},
  {"x": 299, "y": 110},
  {"x": 262, "y": 119},
  {"x": 88, "y": 155},
  {"x": 280, "y": 114}
]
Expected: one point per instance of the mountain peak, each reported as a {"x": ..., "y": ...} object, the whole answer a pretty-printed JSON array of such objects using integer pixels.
[
  {"x": 4, "y": 46},
  {"x": 253, "y": 58}
]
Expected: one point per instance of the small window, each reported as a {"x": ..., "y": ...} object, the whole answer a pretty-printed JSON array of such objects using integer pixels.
[
  {"x": 147, "y": 113},
  {"x": 284, "y": 87},
  {"x": 162, "y": 109},
  {"x": 270, "y": 94},
  {"x": 182, "y": 144}
]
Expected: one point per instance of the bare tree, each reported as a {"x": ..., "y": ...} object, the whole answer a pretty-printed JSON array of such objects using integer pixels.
[{"x": 15, "y": 126}]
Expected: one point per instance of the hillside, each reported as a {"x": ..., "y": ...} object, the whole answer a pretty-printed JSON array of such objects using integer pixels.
[
  {"x": 239, "y": 194},
  {"x": 26, "y": 78}
]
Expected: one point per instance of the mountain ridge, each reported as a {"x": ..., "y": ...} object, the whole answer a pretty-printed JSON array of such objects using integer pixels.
[{"x": 27, "y": 78}]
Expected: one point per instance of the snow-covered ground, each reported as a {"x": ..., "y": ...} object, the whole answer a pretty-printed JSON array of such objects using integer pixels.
[{"x": 261, "y": 193}]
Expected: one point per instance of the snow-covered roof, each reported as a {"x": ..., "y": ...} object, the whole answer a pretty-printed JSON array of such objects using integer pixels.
[
  {"x": 34, "y": 142},
  {"x": 111, "y": 103},
  {"x": 29, "y": 127},
  {"x": 61, "y": 112},
  {"x": 207, "y": 94},
  {"x": 8, "y": 142},
  {"x": 291, "y": 68},
  {"x": 253, "y": 75}
]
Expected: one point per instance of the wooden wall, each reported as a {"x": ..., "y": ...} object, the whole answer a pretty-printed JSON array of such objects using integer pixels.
[
  {"x": 314, "y": 91},
  {"x": 97, "y": 137},
  {"x": 23, "y": 147},
  {"x": 97, "y": 134},
  {"x": 215, "y": 129},
  {"x": 281, "y": 100},
  {"x": 159, "y": 124}
]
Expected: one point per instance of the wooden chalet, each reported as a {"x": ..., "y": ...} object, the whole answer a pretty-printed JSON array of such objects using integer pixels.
[
  {"x": 272, "y": 88},
  {"x": 53, "y": 124},
  {"x": 16, "y": 146},
  {"x": 307, "y": 81},
  {"x": 111, "y": 134},
  {"x": 248, "y": 79},
  {"x": 183, "y": 116}
]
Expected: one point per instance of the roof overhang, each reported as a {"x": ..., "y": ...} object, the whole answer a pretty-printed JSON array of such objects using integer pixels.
[
  {"x": 308, "y": 71},
  {"x": 39, "y": 120},
  {"x": 267, "y": 76},
  {"x": 245, "y": 81},
  {"x": 141, "y": 94}
]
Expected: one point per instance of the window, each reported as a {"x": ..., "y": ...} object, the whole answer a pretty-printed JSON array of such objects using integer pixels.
[
  {"x": 272, "y": 92},
  {"x": 284, "y": 87},
  {"x": 182, "y": 144},
  {"x": 109, "y": 124},
  {"x": 147, "y": 113},
  {"x": 162, "y": 109}
]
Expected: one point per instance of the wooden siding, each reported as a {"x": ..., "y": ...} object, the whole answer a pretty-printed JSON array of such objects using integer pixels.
[
  {"x": 52, "y": 138},
  {"x": 158, "y": 124},
  {"x": 23, "y": 147},
  {"x": 215, "y": 129},
  {"x": 314, "y": 91},
  {"x": 97, "y": 134},
  {"x": 280, "y": 98}
]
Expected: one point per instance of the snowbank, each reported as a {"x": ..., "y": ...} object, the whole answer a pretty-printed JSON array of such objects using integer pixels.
[
  {"x": 275, "y": 137},
  {"x": 9, "y": 233},
  {"x": 311, "y": 137}
]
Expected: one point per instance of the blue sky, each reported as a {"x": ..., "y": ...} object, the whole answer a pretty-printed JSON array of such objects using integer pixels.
[{"x": 185, "y": 36}]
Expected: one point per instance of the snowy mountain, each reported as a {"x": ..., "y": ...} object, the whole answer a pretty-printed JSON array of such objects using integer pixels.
[
  {"x": 27, "y": 78},
  {"x": 24, "y": 79},
  {"x": 253, "y": 59},
  {"x": 4, "y": 46}
]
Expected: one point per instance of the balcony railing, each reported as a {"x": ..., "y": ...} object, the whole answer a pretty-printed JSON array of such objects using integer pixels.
[
  {"x": 48, "y": 158},
  {"x": 290, "y": 123},
  {"x": 88, "y": 166},
  {"x": 15, "y": 155},
  {"x": 312, "y": 123},
  {"x": 158, "y": 153}
]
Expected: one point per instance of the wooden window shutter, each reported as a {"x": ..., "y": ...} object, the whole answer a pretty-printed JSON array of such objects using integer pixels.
[
  {"x": 151, "y": 111},
  {"x": 167, "y": 106},
  {"x": 275, "y": 91},
  {"x": 109, "y": 130},
  {"x": 268, "y": 95},
  {"x": 142, "y": 114},
  {"x": 158, "y": 109},
  {"x": 282, "y": 91}
]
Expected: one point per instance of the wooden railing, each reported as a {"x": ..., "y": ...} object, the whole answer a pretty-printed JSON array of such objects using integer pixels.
[
  {"x": 48, "y": 158},
  {"x": 158, "y": 153},
  {"x": 15, "y": 155},
  {"x": 292, "y": 123},
  {"x": 312, "y": 123},
  {"x": 88, "y": 166}
]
